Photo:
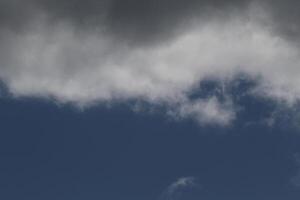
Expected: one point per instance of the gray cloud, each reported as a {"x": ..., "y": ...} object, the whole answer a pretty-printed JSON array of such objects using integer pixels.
[
  {"x": 286, "y": 17},
  {"x": 139, "y": 21},
  {"x": 142, "y": 20}
]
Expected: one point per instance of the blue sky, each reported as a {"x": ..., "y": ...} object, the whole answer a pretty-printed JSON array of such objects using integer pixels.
[{"x": 52, "y": 151}]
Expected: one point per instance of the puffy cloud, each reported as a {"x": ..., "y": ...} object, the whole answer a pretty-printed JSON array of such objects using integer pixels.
[{"x": 88, "y": 52}]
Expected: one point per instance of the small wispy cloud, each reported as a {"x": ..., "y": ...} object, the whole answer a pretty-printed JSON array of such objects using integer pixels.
[{"x": 176, "y": 190}]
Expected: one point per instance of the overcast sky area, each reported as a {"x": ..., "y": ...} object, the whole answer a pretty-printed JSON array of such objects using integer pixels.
[{"x": 150, "y": 99}]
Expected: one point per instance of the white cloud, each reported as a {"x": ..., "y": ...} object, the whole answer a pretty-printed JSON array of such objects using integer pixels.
[
  {"x": 85, "y": 67},
  {"x": 182, "y": 182},
  {"x": 176, "y": 189},
  {"x": 206, "y": 111}
]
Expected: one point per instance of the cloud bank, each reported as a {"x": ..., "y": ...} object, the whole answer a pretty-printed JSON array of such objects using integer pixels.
[{"x": 88, "y": 52}]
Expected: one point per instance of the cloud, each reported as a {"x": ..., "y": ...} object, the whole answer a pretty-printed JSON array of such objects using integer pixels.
[
  {"x": 89, "y": 52},
  {"x": 176, "y": 190},
  {"x": 207, "y": 111},
  {"x": 130, "y": 19}
]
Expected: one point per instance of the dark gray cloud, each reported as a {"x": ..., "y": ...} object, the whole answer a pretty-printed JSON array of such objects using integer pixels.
[
  {"x": 142, "y": 20},
  {"x": 160, "y": 19},
  {"x": 286, "y": 17},
  {"x": 139, "y": 20}
]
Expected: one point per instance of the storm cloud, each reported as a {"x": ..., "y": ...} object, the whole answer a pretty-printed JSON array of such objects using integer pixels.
[{"x": 92, "y": 51}]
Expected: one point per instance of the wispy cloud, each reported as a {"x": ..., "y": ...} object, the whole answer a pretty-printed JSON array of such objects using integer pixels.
[{"x": 176, "y": 190}]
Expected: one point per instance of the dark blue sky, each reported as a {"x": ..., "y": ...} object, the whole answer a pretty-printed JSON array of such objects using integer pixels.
[{"x": 51, "y": 151}]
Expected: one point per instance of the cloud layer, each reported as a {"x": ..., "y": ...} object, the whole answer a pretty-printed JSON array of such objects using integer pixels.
[{"x": 89, "y": 52}]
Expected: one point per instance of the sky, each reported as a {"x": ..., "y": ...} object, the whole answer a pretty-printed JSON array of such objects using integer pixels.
[{"x": 149, "y": 99}]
